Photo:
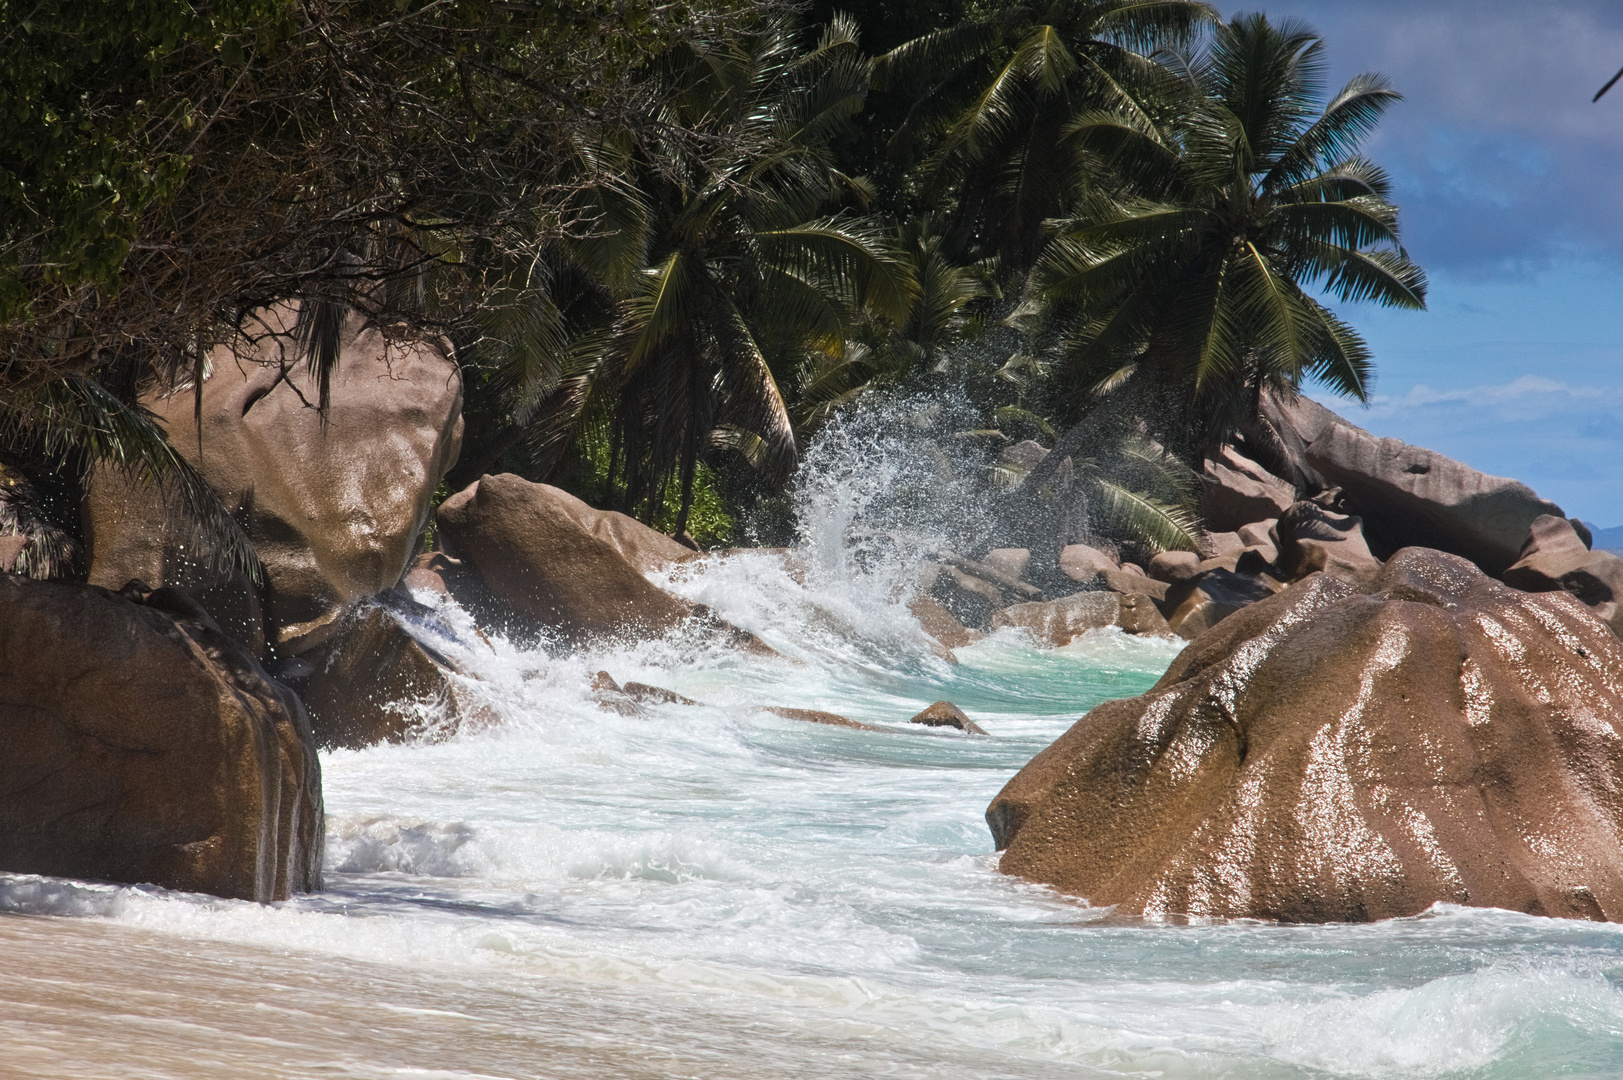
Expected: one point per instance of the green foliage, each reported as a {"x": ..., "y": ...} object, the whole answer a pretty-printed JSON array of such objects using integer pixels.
[
  {"x": 999, "y": 88},
  {"x": 671, "y": 240},
  {"x": 169, "y": 166},
  {"x": 1187, "y": 286},
  {"x": 708, "y": 519},
  {"x": 733, "y": 264},
  {"x": 102, "y": 100}
]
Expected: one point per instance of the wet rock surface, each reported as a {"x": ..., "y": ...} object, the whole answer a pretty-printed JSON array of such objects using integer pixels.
[
  {"x": 936, "y": 620},
  {"x": 375, "y": 683},
  {"x": 1059, "y": 622},
  {"x": 545, "y": 567},
  {"x": 818, "y": 716},
  {"x": 1348, "y": 753},
  {"x": 142, "y": 744},
  {"x": 946, "y": 714}
]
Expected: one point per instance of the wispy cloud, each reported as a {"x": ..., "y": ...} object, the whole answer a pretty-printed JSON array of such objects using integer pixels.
[
  {"x": 1527, "y": 392},
  {"x": 1499, "y": 159}
]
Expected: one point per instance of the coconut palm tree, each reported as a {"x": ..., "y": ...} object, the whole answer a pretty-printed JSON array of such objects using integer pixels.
[
  {"x": 745, "y": 274},
  {"x": 1192, "y": 289},
  {"x": 885, "y": 353},
  {"x": 998, "y": 90}
]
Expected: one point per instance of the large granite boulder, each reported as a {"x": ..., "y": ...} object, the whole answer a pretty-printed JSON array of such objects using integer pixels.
[
  {"x": 1084, "y": 564},
  {"x": 1345, "y": 753},
  {"x": 334, "y": 505},
  {"x": 1312, "y": 539},
  {"x": 144, "y": 745},
  {"x": 1236, "y": 491},
  {"x": 1407, "y": 496},
  {"x": 1556, "y": 556},
  {"x": 547, "y": 569}
]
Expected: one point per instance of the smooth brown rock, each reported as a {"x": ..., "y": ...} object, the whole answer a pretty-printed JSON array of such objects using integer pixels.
[
  {"x": 1141, "y": 617},
  {"x": 968, "y": 599},
  {"x": 1059, "y": 622},
  {"x": 1407, "y": 495},
  {"x": 334, "y": 505},
  {"x": 654, "y": 695},
  {"x": 1313, "y": 539},
  {"x": 941, "y": 624},
  {"x": 1220, "y": 545},
  {"x": 1263, "y": 538},
  {"x": 1083, "y": 564},
  {"x": 1197, "y": 604},
  {"x": 610, "y": 695},
  {"x": 646, "y": 549},
  {"x": 1133, "y": 584},
  {"x": 818, "y": 716},
  {"x": 1556, "y": 557},
  {"x": 141, "y": 744},
  {"x": 373, "y": 682},
  {"x": 1011, "y": 561},
  {"x": 1007, "y": 584},
  {"x": 428, "y": 572},
  {"x": 1236, "y": 491},
  {"x": 1174, "y": 566},
  {"x": 545, "y": 569},
  {"x": 1338, "y": 753},
  {"x": 629, "y": 700},
  {"x": 946, "y": 714}
]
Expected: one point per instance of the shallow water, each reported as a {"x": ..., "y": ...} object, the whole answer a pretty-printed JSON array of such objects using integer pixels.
[{"x": 713, "y": 891}]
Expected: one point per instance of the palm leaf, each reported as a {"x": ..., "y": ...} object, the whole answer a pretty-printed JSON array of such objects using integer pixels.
[
  {"x": 80, "y": 414},
  {"x": 1162, "y": 526}
]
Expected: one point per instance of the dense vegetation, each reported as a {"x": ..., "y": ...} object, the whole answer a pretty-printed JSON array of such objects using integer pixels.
[{"x": 670, "y": 240}]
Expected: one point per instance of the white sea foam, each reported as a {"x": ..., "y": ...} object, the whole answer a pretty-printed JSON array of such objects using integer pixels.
[{"x": 714, "y": 890}]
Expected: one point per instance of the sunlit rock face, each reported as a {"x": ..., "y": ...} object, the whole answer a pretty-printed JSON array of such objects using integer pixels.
[
  {"x": 550, "y": 561},
  {"x": 1406, "y": 495},
  {"x": 1343, "y": 753},
  {"x": 334, "y": 504}
]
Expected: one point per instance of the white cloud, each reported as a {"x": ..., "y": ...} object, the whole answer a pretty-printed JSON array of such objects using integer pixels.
[{"x": 1528, "y": 398}]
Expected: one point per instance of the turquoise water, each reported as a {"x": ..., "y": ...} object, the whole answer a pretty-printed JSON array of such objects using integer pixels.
[{"x": 714, "y": 891}]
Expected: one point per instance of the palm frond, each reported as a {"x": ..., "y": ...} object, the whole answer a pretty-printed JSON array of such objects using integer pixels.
[
  {"x": 79, "y": 414},
  {"x": 1159, "y": 525}
]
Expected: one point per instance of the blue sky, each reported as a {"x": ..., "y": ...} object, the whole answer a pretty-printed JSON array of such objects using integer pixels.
[{"x": 1511, "y": 186}]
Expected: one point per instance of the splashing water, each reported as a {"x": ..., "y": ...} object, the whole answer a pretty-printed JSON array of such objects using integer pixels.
[{"x": 714, "y": 891}]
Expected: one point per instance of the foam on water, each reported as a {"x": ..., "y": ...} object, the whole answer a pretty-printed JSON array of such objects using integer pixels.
[{"x": 717, "y": 891}]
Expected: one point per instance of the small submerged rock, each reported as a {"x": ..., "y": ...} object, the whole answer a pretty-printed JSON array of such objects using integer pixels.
[
  {"x": 818, "y": 716},
  {"x": 946, "y": 714}
]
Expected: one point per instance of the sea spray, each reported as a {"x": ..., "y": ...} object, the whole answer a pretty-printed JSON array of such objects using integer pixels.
[
  {"x": 713, "y": 890},
  {"x": 895, "y": 482}
]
